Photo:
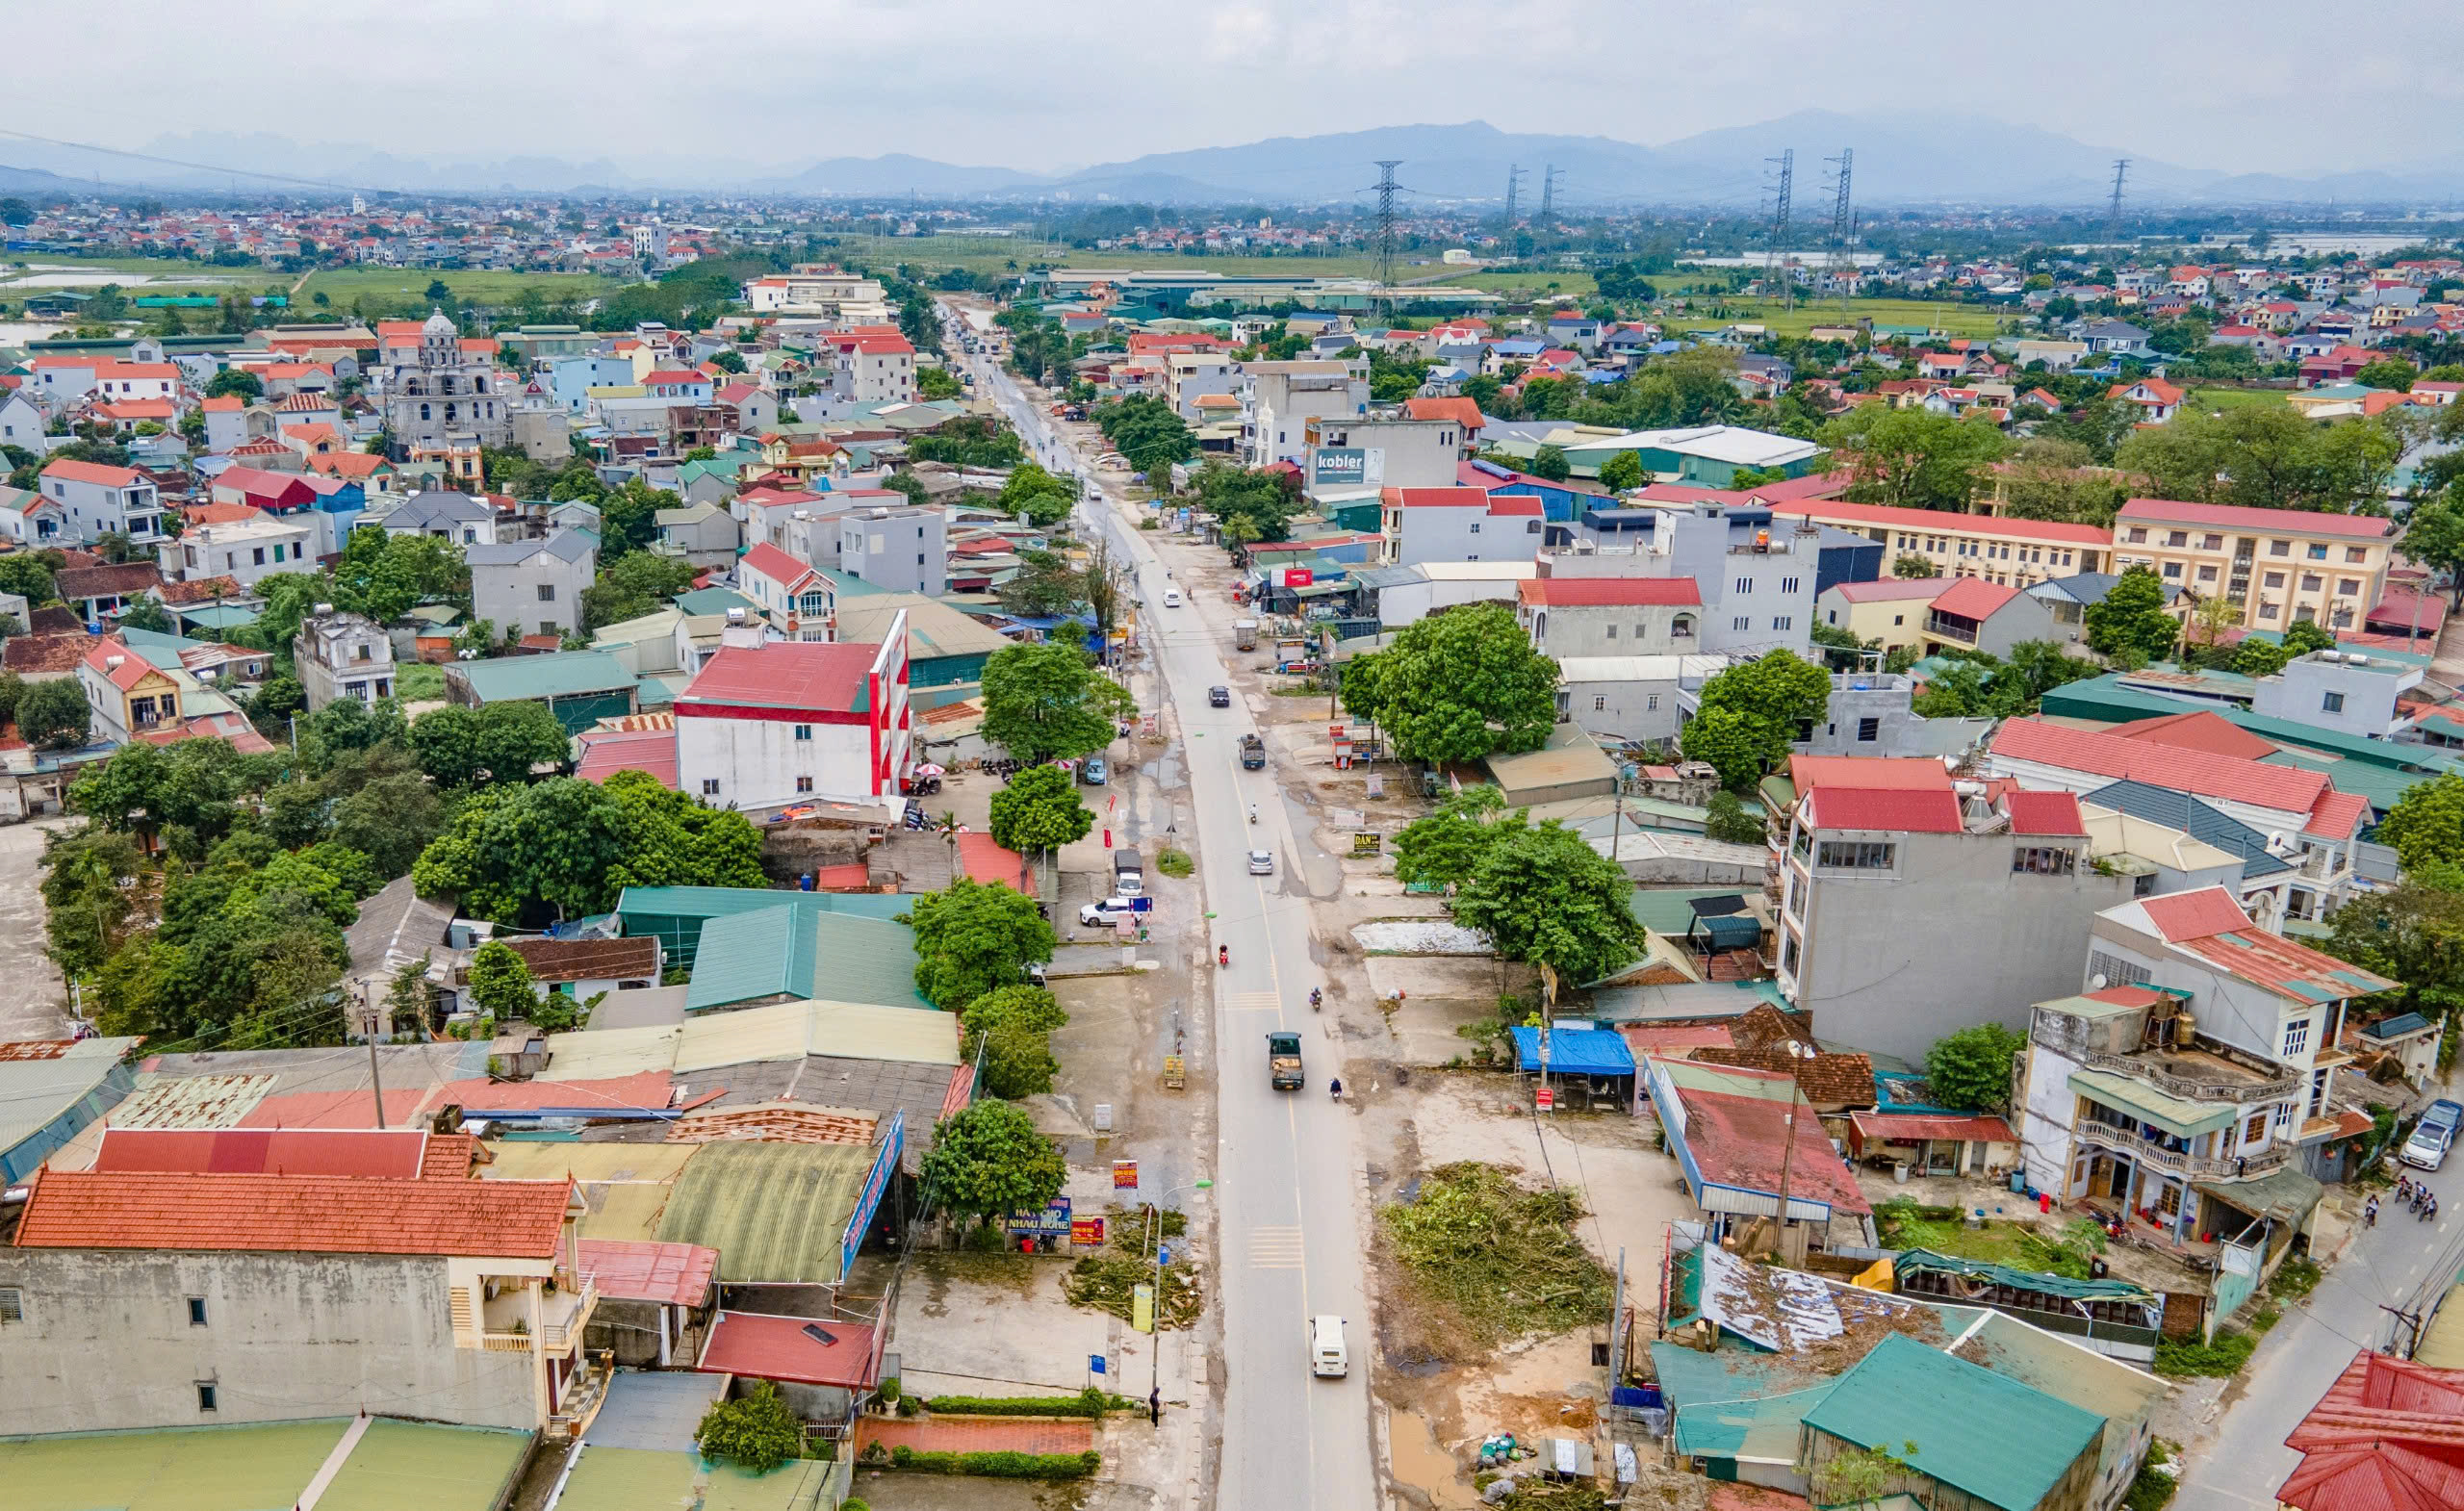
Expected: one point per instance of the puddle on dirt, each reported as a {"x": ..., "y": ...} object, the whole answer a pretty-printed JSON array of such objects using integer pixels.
[{"x": 1416, "y": 1459}]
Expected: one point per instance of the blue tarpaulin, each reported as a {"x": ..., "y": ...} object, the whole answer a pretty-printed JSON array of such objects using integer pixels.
[{"x": 1576, "y": 1052}]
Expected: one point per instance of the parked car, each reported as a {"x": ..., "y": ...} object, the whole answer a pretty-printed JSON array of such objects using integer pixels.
[
  {"x": 1262, "y": 862},
  {"x": 1094, "y": 772},
  {"x": 1106, "y": 914},
  {"x": 2426, "y": 1149},
  {"x": 1219, "y": 697}
]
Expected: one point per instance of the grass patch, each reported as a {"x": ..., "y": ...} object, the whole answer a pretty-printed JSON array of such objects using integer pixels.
[
  {"x": 2234, "y": 397},
  {"x": 479, "y": 286},
  {"x": 1502, "y": 1258},
  {"x": 416, "y": 682},
  {"x": 2295, "y": 1280},
  {"x": 998, "y": 1466},
  {"x": 1174, "y": 863},
  {"x": 1089, "y": 1402},
  {"x": 1956, "y": 320},
  {"x": 2188, "y": 1359},
  {"x": 2159, "y": 1476},
  {"x": 1904, "y": 1224}
]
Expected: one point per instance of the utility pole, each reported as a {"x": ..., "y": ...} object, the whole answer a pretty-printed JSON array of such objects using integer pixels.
[
  {"x": 1513, "y": 191},
  {"x": 1549, "y": 195},
  {"x": 2113, "y": 209},
  {"x": 1386, "y": 187},
  {"x": 375, "y": 1087},
  {"x": 1782, "y": 185},
  {"x": 1843, "y": 225}
]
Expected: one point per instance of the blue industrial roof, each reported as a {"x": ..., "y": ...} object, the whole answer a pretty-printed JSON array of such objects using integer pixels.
[{"x": 1577, "y": 1051}]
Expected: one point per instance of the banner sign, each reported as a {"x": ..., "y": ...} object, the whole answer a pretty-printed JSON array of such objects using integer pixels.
[
  {"x": 1298, "y": 576},
  {"x": 1087, "y": 1232},
  {"x": 1051, "y": 1220},
  {"x": 870, "y": 1200},
  {"x": 1124, "y": 1175},
  {"x": 1339, "y": 466}
]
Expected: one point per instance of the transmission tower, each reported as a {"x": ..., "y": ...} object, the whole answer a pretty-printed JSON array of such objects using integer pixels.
[
  {"x": 1548, "y": 193},
  {"x": 1386, "y": 187},
  {"x": 2113, "y": 210},
  {"x": 1783, "y": 184},
  {"x": 1843, "y": 225},
  {"x": 1513, "y": 191}
]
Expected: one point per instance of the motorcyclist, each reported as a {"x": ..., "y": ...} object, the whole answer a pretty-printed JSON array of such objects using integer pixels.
[
  {"x": 1223, "y": 955},
  {"x": 2370, "y": 1213},
  {"x": 1254, "y": 813},
  {"x": 1316, "y": 996},
  {"x": 1334, "y": 1089}
]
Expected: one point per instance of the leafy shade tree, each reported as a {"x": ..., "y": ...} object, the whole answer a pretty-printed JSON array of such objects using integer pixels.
[
  {"x": 2426, "y": 825},
  {"x": 974, "y": 936},
  {"x": 1550, "y": 462},
  {"x": 463, "y": 747},
  {"x": 1038, "y": 809},
  {"x": 2265, "y": 456},
  {"x": 2412, "y": 932},
  {"x": 990, "y": 1160},
  {"x": 1622, "y": 472},
  {"x": 932, "y": 383},
  {"x": 1762, "y": 705},
  {"x": 636, "y": 583},
  {"x": 756, "y": 1432},
  {"x": 1047, "y": 702},
  {"x": 238, "y": 382},
  {"x": 191, "y": 787},
  {"x": 1456, "y": 686},
  {"x": 2388, "y": 373},
  {"x": 1913, "y": 458},
  {"x": 1045, "y": 587},
  {"x": 1908, "y": 565},
  {"x": 1730, "y": 823},
  {"x": 148, "y": 613},
  {"x": 2132, "y": 620},
  {"x": 1012, "y": 1026},
  {"x": 1971, "y": 1067},
  {"x": 1254, "y": 505},
  {"x": 501, "y": 983},
  {"x": 2434, "y": 535},
  {"x": 54, "y": 715},
  {"x": 1037, "y": 493},
  {"x": 1545, "y": 897},
  {"x": 2256, "y": 658},
  {"x": 567, "y": 848},
  {"x": 1446, "y": 845},
  {"x": 2305, "y": 636}
]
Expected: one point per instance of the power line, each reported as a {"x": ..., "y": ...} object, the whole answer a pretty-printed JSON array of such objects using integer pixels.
[
  {"x": 203, "y": 168},
  {"x": 2113, "y": 210},
  {"x": 1843, "y": 225},
  {"x": 1783, "y": 186}
]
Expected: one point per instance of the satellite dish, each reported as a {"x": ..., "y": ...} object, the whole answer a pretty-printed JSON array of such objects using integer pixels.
[{"x": 2096, "y": 983}]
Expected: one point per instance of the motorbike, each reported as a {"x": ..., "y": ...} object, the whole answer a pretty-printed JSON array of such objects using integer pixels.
[
  {"x": 1223, "y": 955},
  {"x": 1314, "y": 998}
]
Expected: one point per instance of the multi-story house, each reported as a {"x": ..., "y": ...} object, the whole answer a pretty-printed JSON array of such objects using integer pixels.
[
  {"x": 1907, "y": 910},
  {"x": 792, "y": 595},
  {"x": 767, "y": 726},
  {"x": 246, "y": 550},
  {"x": 2282, "y": 566},
  {"x": 1279, "y": 398},
  {"x": 1973, "y": 614},
  {"x": 815, "y": 290},
  {"x": 457, "y": 516},
  {"x": 873, "y": 367},
  {"x": 2017, "y": 552},
  {"x": 535, "y": 585},
  {"x": 342, "y": 655},
  {"x": 176, "y": 1285},
  {"x": 98, "y": 500},
  {"x": 898, "y": 549},
  {"x": 1191, "y": 377},
  {"x": 442, "y": 395},
  {"x": 1382, "y": 450},
  {"x": 30, "y": 519},
  {"x": 2185, "y": 1091},
  {"x": 1452, "y": 523},
  {"x": 1570, "y": 617}
]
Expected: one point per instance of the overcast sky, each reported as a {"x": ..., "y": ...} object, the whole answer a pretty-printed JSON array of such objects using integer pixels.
[{"x": 2288, "y": 86}]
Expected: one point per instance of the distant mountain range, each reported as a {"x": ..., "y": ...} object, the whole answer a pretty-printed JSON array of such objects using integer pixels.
[{"x": 1899, "y": 161}]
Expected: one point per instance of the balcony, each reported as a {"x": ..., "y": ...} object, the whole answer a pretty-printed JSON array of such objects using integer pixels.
[
  {"x": 2193, "y": 1073},
  {"x": 1951, "y": 627},
  {"x": 2094, "y": 1134},
  {"x": 508, "y": 1326}
]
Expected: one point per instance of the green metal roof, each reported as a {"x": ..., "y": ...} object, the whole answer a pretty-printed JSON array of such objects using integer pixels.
[
  {"x": 715, "y": 601},
  {"x": 559, "y": 673},
  {"x": 803, "y": 951},
  {"x": 215, "y": 616},
  {"x": 2023, "y": 1279},
  {"x": 2004, "y": 1443},
  {"x": 775, "y": 1212},
  {"x": 2287, "y": 1195},
  {"x": 2179, "y": 1116},
  {"x": 846, "y": 584},
  {"x": 1764, "y": 1429},
  {"x": 2105, "y": 698}
]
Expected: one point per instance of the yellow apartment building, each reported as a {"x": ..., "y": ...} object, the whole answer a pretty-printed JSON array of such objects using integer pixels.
[{"x": 2284, "y": 565}]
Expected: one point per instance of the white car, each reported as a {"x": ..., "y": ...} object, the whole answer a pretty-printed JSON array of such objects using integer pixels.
[
  {"x": 1328, "y": 1358},
  {"x": 2425, "y": 1149},
  {"x": 1172, "y": 598},
  {"x": 1106, "y": 914},
  {"x": 1262, "y": 862}
]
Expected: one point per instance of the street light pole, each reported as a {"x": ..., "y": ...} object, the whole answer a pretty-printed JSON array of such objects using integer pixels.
[{"x": 1155, "y": 1243}]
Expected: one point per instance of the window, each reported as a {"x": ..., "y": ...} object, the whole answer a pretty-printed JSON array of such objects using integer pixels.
[
  {"x": 2255, "y": 1130},
  {"x": 2283, "y": 1117},
  {"x": 710, "y": 786},
  {"x": 13, "y": 1305},
  {"x": 549, "y": 627},
  {"x": 1784, "y": 621},
  {"x": 804, "y": 783},
  {"x": 2315, "y": 551},
  {"x": 1475, "y": 526},
  {"x": 547, "y": 593},
  {"x": 204, "y": 1395},
  {"x": 1610, "y": 632},
  {"x": 2117, "y": 971},
  {"x": 2173, "y": 572},
  {"x": 1742, "y": 622},
  {"x": 196, "y": 1310},
  {"x": 2331, "y": 702},
  {"x": 1682, "y": 627},
  {"x": 1600, "y": 703},
  {"x": 2137, "y": 536},
  {"x": 804, "y": 731},
  {"x": 2045, "y": 860},
  {"x": 1650, "y": 702},
  {"x": 2207, "y": 573},
  {"x": 1856, "y": 855},
  {"x": 1899, "y": 619},
  {"x": 1745, "y": 584},
  {"x": 2296, "y": 1039},
  {"x": 2355, "y": 553},
  {"x": 1641, "y": 630},
  {"x": 257, "y": 558},
  {"x": 2210, "y": 543},
  {"x": 2279, "y": 548},
  {"x": 2178, "y": 538},
  {"x": 1869, "y": 728},
  {"x": 1788, "y": 584},
  {"x": 2312, "y": 583},
  {"x": 2267, "y": 611},
  {"x": 2271, "y": 580}
]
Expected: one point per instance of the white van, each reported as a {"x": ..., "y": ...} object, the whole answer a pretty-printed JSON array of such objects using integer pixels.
[
  {"x": 1172, "y": 598},
  {"x": 1327, "y": 1356}
]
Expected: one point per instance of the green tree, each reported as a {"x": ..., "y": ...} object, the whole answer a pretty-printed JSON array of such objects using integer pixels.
[
  {"x": 1550, "y": 462},
  {"x": 2256, "y": 658},
  {"x": 1622, "y": 472},
  {"x": 30, "y": 572},
  {"x": 567, "y": 848},
  {"x": 2434, "y": 536},
  {"x": 2413, "y": 933},
  {"x": 990, "y": 1160},
  {"x": 1773, "y": 698},
  {"x": 235, "y": 380},
  {"x": 2426, "y": 825},
  {"x": 1971, "y": 1067},
  {"x": 54, "y": 715},
  {"x": 973, "y": 936},
  {"x": 2305, "y": 636},
  {"x": 756, "y": 1432},
  {"x": 501, "y": 983},
  {"x": 932, "y": 383},
  {"x": 1038, "y": 809},
  {"x": 2388, "y": 373},
  {"x": 1731, "y": 824},
  {"x": 1028, "y": 1007},
  {"x": 461, "y": 746},
  {"x": 1909, "y": 564},
  {"x": 1545, "y": 897},
  {"x": 1045, "y": 587},
  {"x": 2132, "y": 618},
  {"x": 1456, "y": 686},
  {"x": 148, "y": 613},
  {"x": 1444, "y": 846},
  {"x": 636, "y": 583},
  {"x": 1913, "y": 458},
  {"x": 1047, "y": 702}
]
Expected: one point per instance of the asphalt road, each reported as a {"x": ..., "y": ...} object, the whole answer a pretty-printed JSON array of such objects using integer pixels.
[
  {"x": 2240, "y": 1468},
  {"x": 1289, "y": 1229}
]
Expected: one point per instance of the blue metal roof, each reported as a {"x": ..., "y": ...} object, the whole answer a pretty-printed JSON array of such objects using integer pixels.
[{"x": 1576, "y": 1052}]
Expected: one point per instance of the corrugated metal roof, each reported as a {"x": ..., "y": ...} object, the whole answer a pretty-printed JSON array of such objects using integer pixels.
[
  {"x": 775, "y": 1212},
  {"x": 592, "y": 1163},
  {"x": 32, "y": 1093},
  {"x": 559, "y": 673},
  {"x": 604, "y": 1054},
  {"x": 794, "y": 950},
  {"x": 2179, "y": 1116},
  {"x": 2007, "y": 1444},
  {"x": 847, "y": 1030},
  {"x": 765, "y": 1348},
  {"x": 1884, "y": 811}
]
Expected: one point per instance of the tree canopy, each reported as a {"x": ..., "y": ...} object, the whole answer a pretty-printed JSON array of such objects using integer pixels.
[
  {"x": 972, "y": 938},
  {"x": 1913, "y": 458},
  {"x": 567, "y": 848},
  {"x": 1047, "y": 702},
  {"x": 1456, "y": 686},
  {"x": 1444, "y": 846},
  {"x": 990, "y": 1160},
  {"x": 462, "y": 746},
  {"x": 1038, "y": 809},
  {"x": 2265, "y": 456},
  {"x": 1544, "y": 896},
  {"x": 2132, "y": 620},
  {"x": 1749, "y": 715},
  {"x": 1971, "y": 1067}
]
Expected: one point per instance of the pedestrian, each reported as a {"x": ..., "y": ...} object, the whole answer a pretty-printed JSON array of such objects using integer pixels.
[
  {"x": 2370, "y": 1213},
  {"x": 1155, "y": 1407}
]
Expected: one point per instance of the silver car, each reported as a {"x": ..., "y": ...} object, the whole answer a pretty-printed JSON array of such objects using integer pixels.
[{"x": 1262, "y": 862}]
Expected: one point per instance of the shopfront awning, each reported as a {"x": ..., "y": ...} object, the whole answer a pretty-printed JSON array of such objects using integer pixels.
[
  {"x": 2177, "y": 1115},
  {"x": 2285, "y": 1196}
]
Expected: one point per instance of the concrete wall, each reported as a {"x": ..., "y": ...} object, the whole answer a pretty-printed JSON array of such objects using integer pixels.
[
  {"x": 2364, "y": 694},
  {"x": 1629, "y": 709},
  {"x": 904, "y": 550},
  {"x": 106, "y": 1343},
  {"x": 1586, "y": 630},
  {"x": 508, "y": 596},
  {"x": 757, "y": 761}
]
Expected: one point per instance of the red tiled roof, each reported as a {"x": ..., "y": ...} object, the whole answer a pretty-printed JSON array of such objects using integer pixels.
[
  {"x": 2276, "y": 521},
  {"x": 1974, "y": 597},
  {"x": 1464, "y": 412},
  {"x": 398, "y": 1153},
  {"x": 674, "y": 1274},
  {"x": 2192, "y": 915},
  {"x": 2402, "y": 610},
  {"x": 2285, "y": 788},
  {"x": 94, "y": 472},
  {"x": 2387, "y": 1436},
  {"x": 1513, "y": 505},
  {"x": 1436, "y": 498},
  {"x": 294, "y": 1214},
  {"x": 824, "y": 675},
  {"x": 1907, "y": 773},
  {"x": 2044, "y": 813},
  {"x": 984, "y": 860},
  {"x": 1888, "y": 590},
  {"x": 1944, "y": 520},
  {"x": 1612, "y": 592},
  {"x": 1884, "y": 809},
  {"x": 777, "y": 565},
  {"x": 2201, "y": 729},
  {"x": 767, "y": 1347},
  {"x": 2337, "y": 815},
  {"x": 1674, "y": 1039}
]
